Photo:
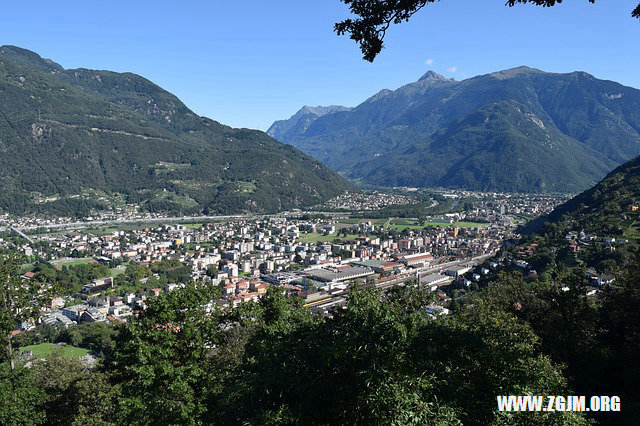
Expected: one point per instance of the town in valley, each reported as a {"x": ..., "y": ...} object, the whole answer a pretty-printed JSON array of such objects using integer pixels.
[{"x": 316, "y": 255}]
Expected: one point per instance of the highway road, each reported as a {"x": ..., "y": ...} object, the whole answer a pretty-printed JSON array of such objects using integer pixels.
[
  {"x": 22, "y": 234},
  {"x": 162, "y": 220}
]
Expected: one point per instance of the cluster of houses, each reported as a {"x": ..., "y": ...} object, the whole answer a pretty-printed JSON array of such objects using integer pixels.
[
  {"x": 368, "y": 201},
  {"x": 106, "y": 308},
  {"x": 576, "y": 242},
  {"x": 495, "y": 207}
]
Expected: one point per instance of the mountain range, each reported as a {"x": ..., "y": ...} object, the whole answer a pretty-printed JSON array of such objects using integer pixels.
[
  {"x": 80, "y": 139},
  {"x": 520, "y": 129}
]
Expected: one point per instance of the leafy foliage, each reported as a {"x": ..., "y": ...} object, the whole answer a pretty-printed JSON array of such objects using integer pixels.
[
  {"x": 19, "y": 302},
  {"x": 19, "y": 399},
  {"x": 70, "y": 390},
  {"x": 162, "y": 360},
  {"x": 385, "y": 362},
  {"x": 69, "y": 280},
  {"x": 381, "y": 360},
  {"x": 98, "y": 337}
]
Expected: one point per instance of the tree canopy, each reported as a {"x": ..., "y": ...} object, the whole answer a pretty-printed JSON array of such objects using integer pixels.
[
  {"x": 20, "y": 301},
  {"x": 382, "y": 359},
  {"x": 374, "y": 17}
]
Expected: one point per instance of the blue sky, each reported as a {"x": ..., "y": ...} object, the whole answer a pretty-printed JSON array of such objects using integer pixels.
[{"x": 248, "y": 63}]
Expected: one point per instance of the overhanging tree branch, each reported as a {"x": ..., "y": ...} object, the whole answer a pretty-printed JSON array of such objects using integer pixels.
[{"x": 374, "y": 17}]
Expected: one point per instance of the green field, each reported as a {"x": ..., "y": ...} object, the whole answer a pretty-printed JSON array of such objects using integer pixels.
[
  {"x": 314, "y": 238},
  {"x": 44, "y": 349},
  {"x": 115, "y": 272},
  {"x": 193, "y": 225}
]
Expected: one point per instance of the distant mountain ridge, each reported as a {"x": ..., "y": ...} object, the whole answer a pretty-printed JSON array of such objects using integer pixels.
[
  {"x": 301, "y": 120},
  {"x": 520, "y": 129},
  {"x": 74, "y": 140}
]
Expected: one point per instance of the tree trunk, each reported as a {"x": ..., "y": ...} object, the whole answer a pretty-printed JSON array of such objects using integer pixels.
[{"x": 12, "y": 362}]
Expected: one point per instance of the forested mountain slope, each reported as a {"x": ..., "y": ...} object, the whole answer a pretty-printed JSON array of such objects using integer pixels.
[
  {"x": 612, "y": 206},
  {"x": 72, "y": 140}
]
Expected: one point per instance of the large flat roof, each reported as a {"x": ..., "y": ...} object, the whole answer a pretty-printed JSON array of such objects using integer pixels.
[{"x": 346, "y": 274}]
